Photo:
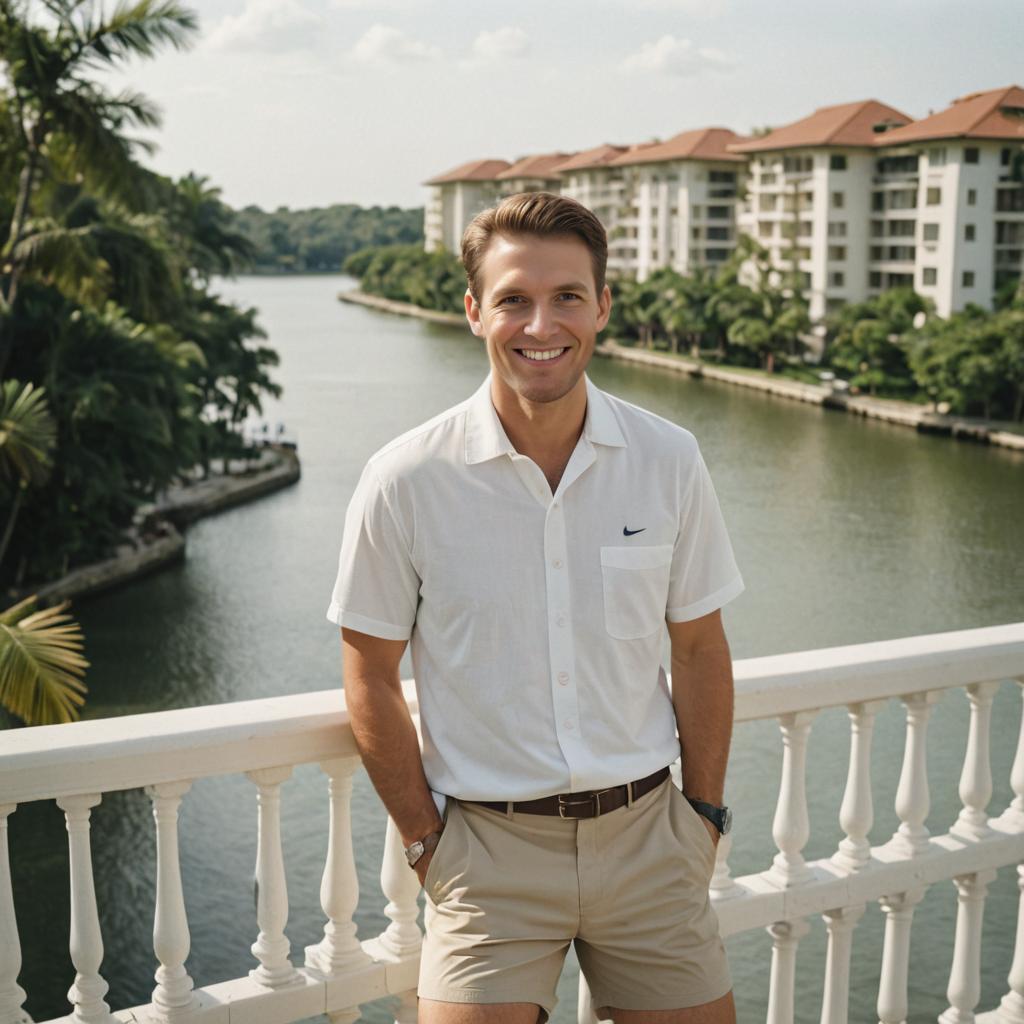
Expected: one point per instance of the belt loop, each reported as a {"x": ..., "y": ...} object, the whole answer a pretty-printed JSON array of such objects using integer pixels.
[
  {"x": 508, "y": 808},
  {"x": 629, "y": 796}
]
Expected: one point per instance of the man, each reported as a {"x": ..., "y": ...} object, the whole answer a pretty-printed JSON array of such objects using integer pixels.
[{"x": 532, "y": 542}]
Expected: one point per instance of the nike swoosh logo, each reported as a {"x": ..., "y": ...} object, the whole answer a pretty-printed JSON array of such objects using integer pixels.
[{"x": 626, "y": 532}]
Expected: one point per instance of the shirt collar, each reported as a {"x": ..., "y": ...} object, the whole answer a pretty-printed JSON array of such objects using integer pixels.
[{"x": 486, "y": 438}]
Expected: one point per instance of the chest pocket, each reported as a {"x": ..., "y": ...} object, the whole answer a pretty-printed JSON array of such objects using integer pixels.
[{"x": 635, "y": 583}]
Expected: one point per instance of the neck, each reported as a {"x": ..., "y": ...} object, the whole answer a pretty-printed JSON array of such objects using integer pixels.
[{"x": 544, "y": 431}]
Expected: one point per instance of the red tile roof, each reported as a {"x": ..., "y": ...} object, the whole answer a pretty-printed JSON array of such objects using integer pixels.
[
  {"x": 540, "y": 166},
  {"x": 996, "y": 114},
  {"x": 848, "y": 124},
  {"x": 596, "y": 157},
  {"x": 475, "y": 170},
  {"x": 700, "y": 144}
]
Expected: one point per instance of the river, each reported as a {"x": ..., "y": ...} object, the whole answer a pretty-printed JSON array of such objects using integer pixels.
[{"x": 846, "y": 531}]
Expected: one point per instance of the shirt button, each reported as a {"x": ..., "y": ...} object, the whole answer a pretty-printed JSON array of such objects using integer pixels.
[
  {"x": 556, "y": 562},
  {"x": 560, "y": 620},
  {"x": 563, "y": 678}
]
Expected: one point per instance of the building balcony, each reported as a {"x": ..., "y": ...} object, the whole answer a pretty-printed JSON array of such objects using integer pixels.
[{"x": 265, "y": 740}]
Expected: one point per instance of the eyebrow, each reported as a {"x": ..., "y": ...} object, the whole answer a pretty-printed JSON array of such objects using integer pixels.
[{"x": 571, "y": 286}]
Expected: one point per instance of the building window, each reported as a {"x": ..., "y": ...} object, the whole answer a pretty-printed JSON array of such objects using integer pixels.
[
  {"x": 837, "y": 162},
  {"x": 767, "y": 179},
  {"x": 970, "y": 154},
  {"x": 930, "y": 232},
  {"x": 929, "y": 275},
  {"x": 695, "y": 232},
  {"x": 696, "y": 214},
  {"x": 1004, "y": 156},
  {"x": 972, "y": 196},
  {"x": 836, "y": 279},
  {"x": 936, "y": 157},
  {"x": 875, "y": 279},
  {"x": 968, "y": 232},
  {"x": 837, "y": 252},
  {"x": 804, "y": 228},
  {"x": 934, "y": 196},
  {"x": 876, "y": 252},
  {"x": 837, "y": 229},
  {"x": 877, "y": 228},
  {"x": 968, "y": 279},
  {"x": 837, "y": 200},
  {"x": 877, "y": 200}
]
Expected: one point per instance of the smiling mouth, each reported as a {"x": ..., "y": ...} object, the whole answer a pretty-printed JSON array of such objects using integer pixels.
[{"x": 541, "y": 355}]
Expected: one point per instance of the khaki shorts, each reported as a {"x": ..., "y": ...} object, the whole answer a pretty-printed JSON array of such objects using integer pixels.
[{"x": 507, "y": 893}]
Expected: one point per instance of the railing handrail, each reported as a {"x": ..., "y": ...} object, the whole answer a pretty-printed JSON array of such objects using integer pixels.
[{"x": 129, "y": 752}]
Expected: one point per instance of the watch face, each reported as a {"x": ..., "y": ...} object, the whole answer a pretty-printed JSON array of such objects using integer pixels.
[
  {"x": 726, "y": 820},
  {"x": 414, "y": 852}
]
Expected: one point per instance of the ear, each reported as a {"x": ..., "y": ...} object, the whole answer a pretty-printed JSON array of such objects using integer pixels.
[
  {"x": 473, "y": 314},
  {"x": 604, "y": 307}
]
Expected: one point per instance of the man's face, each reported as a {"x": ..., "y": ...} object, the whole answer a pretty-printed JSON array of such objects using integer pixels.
[{"x": 539, "y": 313}]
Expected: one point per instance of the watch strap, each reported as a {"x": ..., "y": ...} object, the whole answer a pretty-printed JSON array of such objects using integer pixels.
[{"x": 718, "y": 816}]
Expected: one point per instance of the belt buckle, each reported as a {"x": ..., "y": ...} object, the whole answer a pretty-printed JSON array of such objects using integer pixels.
[{"x": 593, "y": 798}]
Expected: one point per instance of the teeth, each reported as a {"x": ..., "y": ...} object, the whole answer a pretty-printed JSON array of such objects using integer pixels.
[{"x": 540, "y": 356}]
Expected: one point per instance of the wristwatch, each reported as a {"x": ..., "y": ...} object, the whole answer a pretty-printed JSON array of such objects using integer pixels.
[
  {"x": 416, "y": 850},
  {"x": 720, "y": 817}
]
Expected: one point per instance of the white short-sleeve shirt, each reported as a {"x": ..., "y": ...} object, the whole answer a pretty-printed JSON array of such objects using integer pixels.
[{"x": 536, "y": 621}]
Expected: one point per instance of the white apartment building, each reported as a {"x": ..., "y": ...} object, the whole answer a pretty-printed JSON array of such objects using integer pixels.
[
  {"x": 677, "y": 205},
  {"x": 964, "y": 166},
  {"x": 809, "y": 198},
  {"x": 852, "y": 200},
  {"x": 456, "y": 197}
]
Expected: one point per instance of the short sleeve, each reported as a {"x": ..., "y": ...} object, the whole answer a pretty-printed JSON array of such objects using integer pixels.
[
  {"x": 704, "y": 574},
  {"x": 377, "y": 587}
]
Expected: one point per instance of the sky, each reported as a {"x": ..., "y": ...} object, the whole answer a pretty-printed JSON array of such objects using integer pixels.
[{"x": 305, "y": 103}]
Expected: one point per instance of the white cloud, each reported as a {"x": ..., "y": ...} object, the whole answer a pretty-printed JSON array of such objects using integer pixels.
[
  {"x": 383, "y": 44},
  {"x": 267, "y": 26},
  {"x": 703, "y": 9},
  {"x": 673, "y": 56},
  {"x": 501, "y": 44},
  {"x": 374, "y": 5}
]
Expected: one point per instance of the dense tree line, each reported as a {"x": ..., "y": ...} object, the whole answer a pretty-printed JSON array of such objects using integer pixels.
[
  {"x": 120, "y": 367},
  {"x": 746, "y": 314},
  {"x": 320, "y": 240}
]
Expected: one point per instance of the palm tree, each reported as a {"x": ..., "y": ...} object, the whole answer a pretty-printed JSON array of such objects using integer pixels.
[
  {"x": 41, "y": 664},
  {"x": 63, "y": 120},
  {"x": 28, "y": 433}
]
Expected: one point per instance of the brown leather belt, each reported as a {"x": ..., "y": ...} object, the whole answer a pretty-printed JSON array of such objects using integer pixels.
[{"x": 586, "y": 804}]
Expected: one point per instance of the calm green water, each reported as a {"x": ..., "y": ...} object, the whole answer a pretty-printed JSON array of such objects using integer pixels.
[{"x": 845, "y": 530}]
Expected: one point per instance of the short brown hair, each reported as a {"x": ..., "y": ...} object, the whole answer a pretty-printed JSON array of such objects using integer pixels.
[{"x": 533, "y": 213}]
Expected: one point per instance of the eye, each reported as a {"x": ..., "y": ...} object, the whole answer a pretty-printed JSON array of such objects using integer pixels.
[
  {"x": 509, "y": 300},
  {"x": 569, "y": 296}
]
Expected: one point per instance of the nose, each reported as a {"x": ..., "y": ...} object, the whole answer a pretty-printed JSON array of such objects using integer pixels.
[{"x": 541, "y": 324}]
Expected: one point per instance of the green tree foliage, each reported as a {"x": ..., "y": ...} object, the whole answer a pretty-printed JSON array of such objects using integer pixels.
[
  {"x": 105, "y": 286},
  {"x": 407, "y": 273},
  {"x": 308, "y": 241}
]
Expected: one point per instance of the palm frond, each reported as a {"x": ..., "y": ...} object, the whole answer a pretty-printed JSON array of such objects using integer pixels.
[
  {"x": 67, "y": 257},
  {"x": 138, "y": 29},
  {"x": 41, "y": 665},
  {"x": 28, "y": 432}
]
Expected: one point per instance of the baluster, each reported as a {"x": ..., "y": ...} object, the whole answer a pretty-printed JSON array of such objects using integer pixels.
[
  {"x": 976, "y": 776},
  {"x": 585, "y": 1009},
  {"x": 912, "y": 797},
  {"x": 12, "y": 995},
  {"x": 892, "y": 987},
  {"x": 791, "y": 827},
  {"x": 856, "y": 815},
  {"x": 786, "y": 935},
  {"x": 835, "y": 1003},
  {"x": 401, "y": 886},
  {"x": 173, "y": 993},
  {"x": 1011, "y": 1008},
  {"x": 86, "y": 942},
  {"x": 723, "y": 886},
  {"x": 964, "y": 989},
  {"x": 339, "y": 888},
  {"x": 407, "y": 1008},
  {"x": 1015, "y": 812},
  {"x": 271, "y": 947}
]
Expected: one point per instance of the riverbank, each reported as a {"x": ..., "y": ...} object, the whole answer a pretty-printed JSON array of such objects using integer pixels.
[
  {"x": 436, "y": 316},
  {"x": 157, "y": 541},
  {"x": 904, "y": 414}
]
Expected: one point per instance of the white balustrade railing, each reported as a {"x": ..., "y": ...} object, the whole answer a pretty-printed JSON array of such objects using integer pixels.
[{"x": 265, "y": 739}]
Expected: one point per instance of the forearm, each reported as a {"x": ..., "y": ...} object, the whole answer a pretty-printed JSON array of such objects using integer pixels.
[
  {"x": 386, "y": 737},
  {"x": 702, "y": 695}
]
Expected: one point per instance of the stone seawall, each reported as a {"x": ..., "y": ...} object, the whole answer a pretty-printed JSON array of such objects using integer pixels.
[
  {"x": 158, "y": 541},
  {"x": 359, "y": 298}
]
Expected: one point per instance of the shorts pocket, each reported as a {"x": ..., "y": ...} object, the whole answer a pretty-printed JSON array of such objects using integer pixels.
[
  {"x": 635, "y": 581},
  {"x": 438, "y": 873},
  {"x": 695, "y": 822}
]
